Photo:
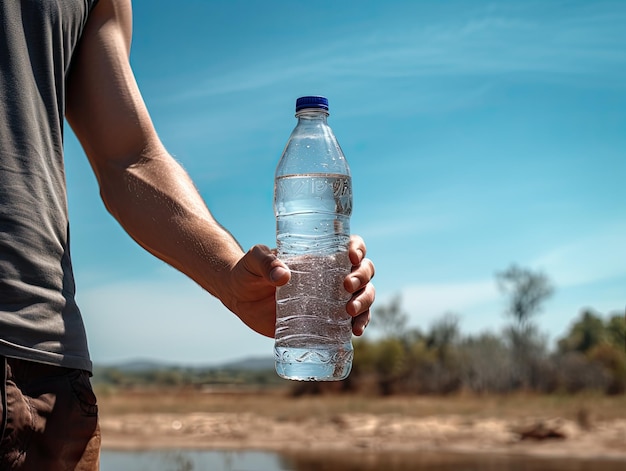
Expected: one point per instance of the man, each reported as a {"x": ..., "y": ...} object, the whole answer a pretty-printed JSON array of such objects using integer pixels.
[{"x": 70, "y": 58}]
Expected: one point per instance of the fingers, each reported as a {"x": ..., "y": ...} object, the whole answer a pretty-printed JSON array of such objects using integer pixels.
[
  {"x": 358, "y": 283},
  {"x": 359, "y": 308},
  {"x": 361, "y": 301},
  {"x": 356, "y": 249},
  {"x": 261, "y": 261},
  {"x": 360, "y": 276},
  {"x": 359, "y": 323},
  {"x": 363, "y": 269}
]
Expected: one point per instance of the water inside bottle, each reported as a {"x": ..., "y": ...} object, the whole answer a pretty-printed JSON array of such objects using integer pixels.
[{"x": 313, "y": 329}]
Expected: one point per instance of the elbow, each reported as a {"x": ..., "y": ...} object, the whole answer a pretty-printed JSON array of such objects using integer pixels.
[{"x": 112, "y": 204}]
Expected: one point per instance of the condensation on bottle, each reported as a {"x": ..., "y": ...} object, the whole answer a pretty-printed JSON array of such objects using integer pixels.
[{"x": 313, "y": 204}]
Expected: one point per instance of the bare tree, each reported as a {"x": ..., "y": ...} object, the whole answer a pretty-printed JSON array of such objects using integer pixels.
[
  {"x": 526, "y": 291},
  {"x": 486, "y": 363}
]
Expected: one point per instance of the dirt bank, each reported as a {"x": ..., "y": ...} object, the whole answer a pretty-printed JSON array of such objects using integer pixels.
[{"x": 375, "y": 432}]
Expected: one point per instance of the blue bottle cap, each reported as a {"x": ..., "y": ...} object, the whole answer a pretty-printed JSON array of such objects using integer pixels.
[{"x": 312, "y": 102}]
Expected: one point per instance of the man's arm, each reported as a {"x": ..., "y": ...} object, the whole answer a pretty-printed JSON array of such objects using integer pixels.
[
  {"x": 153, "y": 198},
  {"x": 142, "y": 186}
]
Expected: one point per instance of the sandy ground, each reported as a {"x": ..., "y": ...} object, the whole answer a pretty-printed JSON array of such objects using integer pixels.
[{"x": 373, "y": 432}]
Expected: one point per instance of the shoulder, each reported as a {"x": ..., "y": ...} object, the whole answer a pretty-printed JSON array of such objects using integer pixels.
[{"x": 116, "y": 13}]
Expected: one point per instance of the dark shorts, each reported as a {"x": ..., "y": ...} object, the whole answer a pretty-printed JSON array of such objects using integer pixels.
[{"x": 49, "y": 418}]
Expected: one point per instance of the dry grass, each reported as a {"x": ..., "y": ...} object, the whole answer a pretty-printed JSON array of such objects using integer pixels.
[
  {"x": 594, "y": 425},
  {"x": 280, "y": 406}
]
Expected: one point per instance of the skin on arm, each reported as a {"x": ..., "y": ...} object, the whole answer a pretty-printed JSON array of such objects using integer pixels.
[
  {"x": 154, "y": 199},
  {"x": 141, "y": 185}
]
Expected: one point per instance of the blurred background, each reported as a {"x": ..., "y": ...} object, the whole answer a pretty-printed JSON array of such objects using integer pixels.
[{"x": 487, "y": 142}]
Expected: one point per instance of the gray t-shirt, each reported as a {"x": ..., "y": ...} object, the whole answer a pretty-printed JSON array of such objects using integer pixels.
[{"x": 39, "y": 318}]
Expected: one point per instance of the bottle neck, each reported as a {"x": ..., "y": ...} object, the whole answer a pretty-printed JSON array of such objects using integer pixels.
[{"x": 312, "y": 114}]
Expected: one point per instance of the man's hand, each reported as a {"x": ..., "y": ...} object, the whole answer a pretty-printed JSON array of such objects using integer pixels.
[
  {"x": 257, "y": 274},
  {"x": 358, "y": 284}
]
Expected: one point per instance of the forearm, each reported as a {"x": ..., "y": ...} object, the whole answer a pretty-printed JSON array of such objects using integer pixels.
[
  {"x": 157, "y": 204},
  {"x": 141, "y": 184}
]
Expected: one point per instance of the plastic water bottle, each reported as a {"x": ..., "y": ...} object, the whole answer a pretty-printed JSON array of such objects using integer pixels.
[{"x": 313, "y": 204}]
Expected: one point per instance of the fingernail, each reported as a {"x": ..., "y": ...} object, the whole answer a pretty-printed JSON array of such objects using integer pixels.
[
  {"x": 277, "y": 273},
  {"x": 355, "y": 283},
  {"x": 357, "y": 306}
]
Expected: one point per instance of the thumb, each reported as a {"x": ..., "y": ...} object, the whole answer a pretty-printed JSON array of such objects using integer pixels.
[{"x": 263, "y": 262}]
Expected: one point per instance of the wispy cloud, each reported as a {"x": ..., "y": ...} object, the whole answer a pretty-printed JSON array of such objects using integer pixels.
[
  {"x": 573, "y": 45},
  {"x": 434, "y": 299},
  {"x": 577, "y": 264},
  {"x": 588, "y": 259},
  {"x": 476, "y": 302}
]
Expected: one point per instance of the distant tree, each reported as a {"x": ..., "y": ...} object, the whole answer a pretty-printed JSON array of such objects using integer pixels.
[
  {"x": 602, "y": 345},
  {"x": 439, "y": 366},
  {"x": 443, "y": 334},
  {"x": 390, "y": 364},
  {"x": 486, "y": 363},
  {"x": 585, "y": 333},
  {"x": 613, "y": 360},
  {"x": 528, "y": 351},
  {"x": 390, "y": 318},
  {"x": 576, "y": 372},
  {"x": 363, "y": 373},
  {"x": 616, "y": 330},
  {"x": 526, "y": 291}
]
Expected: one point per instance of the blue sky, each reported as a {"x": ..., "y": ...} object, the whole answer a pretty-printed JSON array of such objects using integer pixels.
[{"x": 479, "y": 134}]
